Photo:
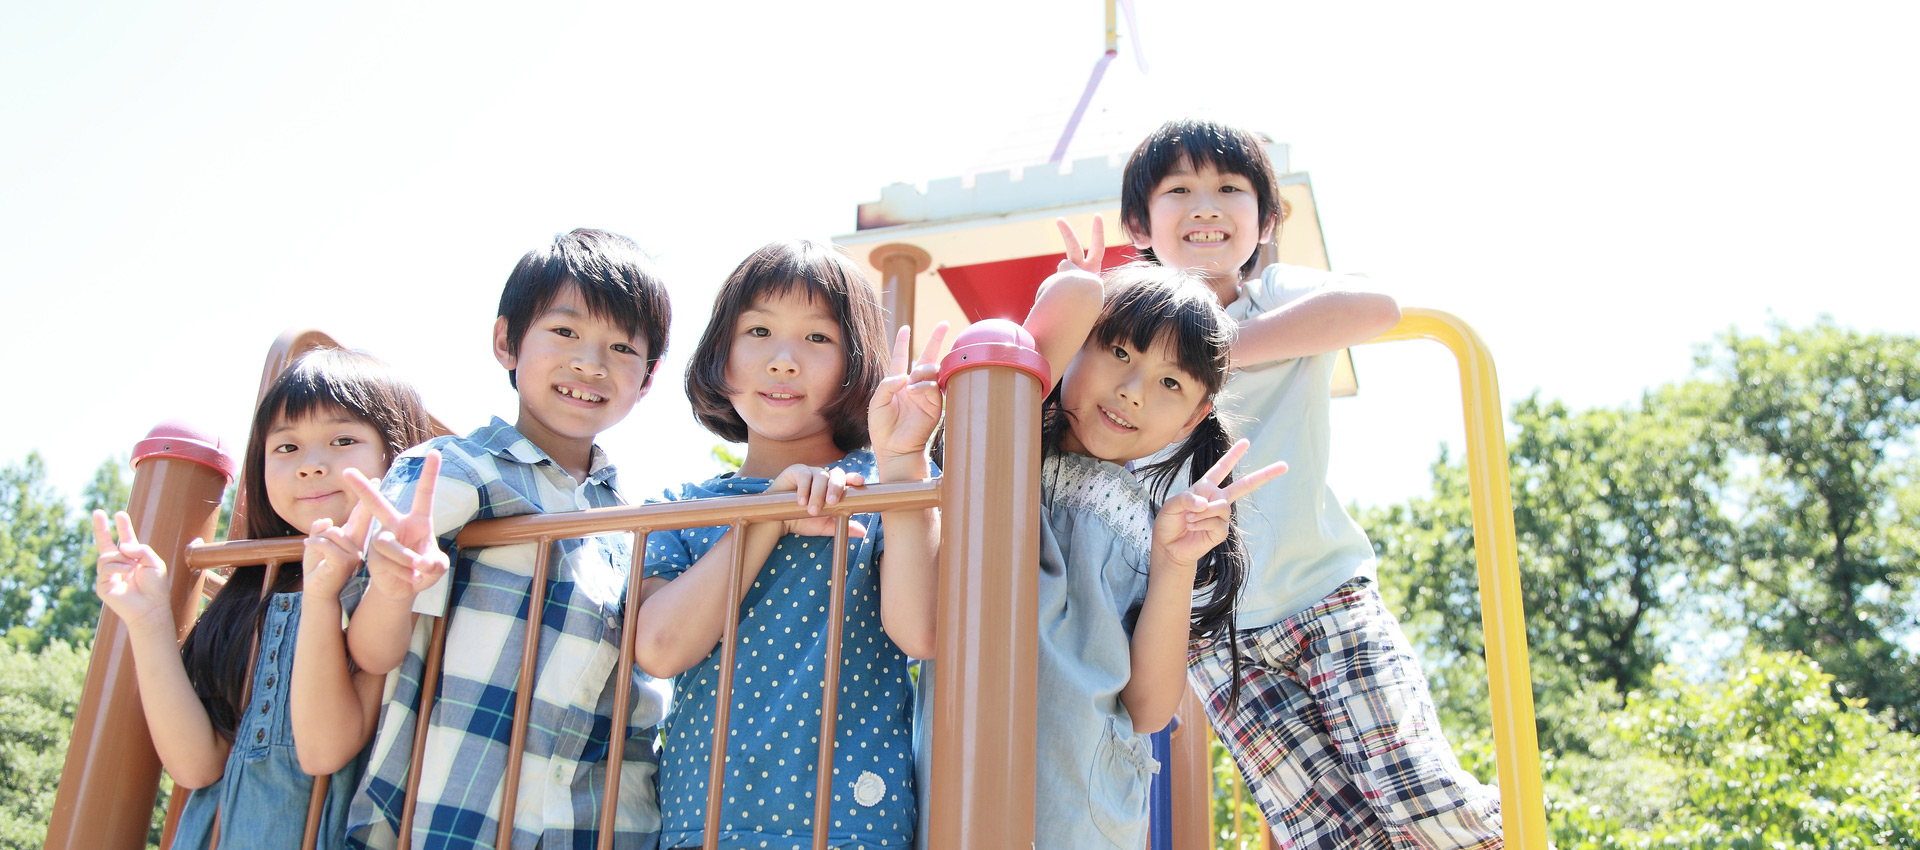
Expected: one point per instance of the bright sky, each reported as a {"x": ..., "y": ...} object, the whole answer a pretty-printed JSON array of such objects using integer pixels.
[{"x": 1596, "y": 188}]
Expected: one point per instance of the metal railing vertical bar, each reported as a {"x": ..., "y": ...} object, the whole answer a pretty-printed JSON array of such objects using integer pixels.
[
  {"x": 523, "y": 687},
  {"x": 830, "y": 689},
  {"x": 723, "y": 694},
  {"x": 315, "y": 801},
  {"x": 623, "y": 692},
  {"x": 429, "y": 687}
]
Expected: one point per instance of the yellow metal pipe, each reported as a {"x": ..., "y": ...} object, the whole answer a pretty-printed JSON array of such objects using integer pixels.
[{"x": 1509, "y": 679}]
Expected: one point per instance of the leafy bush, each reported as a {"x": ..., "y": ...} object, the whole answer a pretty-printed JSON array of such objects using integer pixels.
[{"x": 1764, "y": 757}]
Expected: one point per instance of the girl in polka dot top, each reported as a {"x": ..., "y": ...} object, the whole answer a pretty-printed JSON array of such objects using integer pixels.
[{"x": 794, "y": 364}]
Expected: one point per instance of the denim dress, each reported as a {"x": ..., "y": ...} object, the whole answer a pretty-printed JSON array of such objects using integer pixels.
[
  {"x": 1091, "y": 772},
  {"x": 261, "y": 797}
]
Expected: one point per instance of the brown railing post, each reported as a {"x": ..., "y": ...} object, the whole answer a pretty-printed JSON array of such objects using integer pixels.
[
  {"x": 105, "y": 798},
  {"x": 1192, "y": 776},
  {"x": 899, "y": 264},
  {"x": 981, "y": 790}
]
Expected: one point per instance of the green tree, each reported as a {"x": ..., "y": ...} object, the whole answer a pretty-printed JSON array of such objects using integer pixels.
[
  {"x": 1762, "y": 756},
  {"x": 37, "y": 544},
  {"x": 72, "y": 608},
  {"x": 1826, "y": 563},
  {"x": 47, "y": 554},
  {"x": 1612, "y": 507},
  {"x": 38, "y": 695}
]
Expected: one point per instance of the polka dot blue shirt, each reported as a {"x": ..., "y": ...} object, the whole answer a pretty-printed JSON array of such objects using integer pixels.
[{"x": 779, "y": 674}]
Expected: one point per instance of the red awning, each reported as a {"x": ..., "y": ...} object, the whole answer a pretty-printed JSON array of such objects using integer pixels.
[{"x": 1004, "y": 289}]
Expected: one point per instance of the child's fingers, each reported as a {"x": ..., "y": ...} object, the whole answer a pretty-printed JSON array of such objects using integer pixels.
[
  {"x": 1071, "y": 240},
  {"x": 370, "y": 496},
  {"x": 124, "y": 524},
  {"x": 423, "y": 491},
  {"x": 902, "y": 342},
  {"x": 144, "y": 556},
  {"x": 1225, "y": 464},
  {"x": 358, "y": 521},
  {"x": 930, "y": 354},
  {"x": 1099, "y": 250},
  {"x": 836, "y": 485},
  {"x": 884, "y": 392},
  {"x": 428, "y": 569},
  {"x": 102, "y": 535},
  {"x": 1255, "y": 480},
  {"x": 856, "y": 529}
]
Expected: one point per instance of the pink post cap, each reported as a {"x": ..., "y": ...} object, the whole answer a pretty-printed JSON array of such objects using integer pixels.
[
  {"x": 176, "y": 440},
  {"x": 994, "y": 342}
]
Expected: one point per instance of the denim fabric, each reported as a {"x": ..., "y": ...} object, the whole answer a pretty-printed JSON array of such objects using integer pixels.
[
  {"x": 261, "y": 797},
  {"x": 1091, "y": 770}
]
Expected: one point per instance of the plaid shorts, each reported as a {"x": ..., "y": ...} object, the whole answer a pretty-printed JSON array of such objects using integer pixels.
[{"x": 1336, "y": 733}]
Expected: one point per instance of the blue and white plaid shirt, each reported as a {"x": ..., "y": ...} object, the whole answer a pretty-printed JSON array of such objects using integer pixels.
[{"x": 496, "y": 472}]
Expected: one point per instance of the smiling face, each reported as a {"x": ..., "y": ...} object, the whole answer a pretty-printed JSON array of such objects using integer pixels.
[
  {"x": 1204, "y": 220},
  {"x": 305, "y": 459},
  {"x": 1124, "y": 404},
  {"x": 786, "y": 366},
  {"x": 577, "y": 374}
]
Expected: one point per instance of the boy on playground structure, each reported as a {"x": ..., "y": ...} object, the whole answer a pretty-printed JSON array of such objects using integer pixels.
[
  {"x": 582, "y": 324},
  {"x": 1329, "y": 717}
]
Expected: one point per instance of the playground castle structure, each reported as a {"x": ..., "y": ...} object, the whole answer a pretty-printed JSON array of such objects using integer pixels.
[{"x": 956, "y": 249}]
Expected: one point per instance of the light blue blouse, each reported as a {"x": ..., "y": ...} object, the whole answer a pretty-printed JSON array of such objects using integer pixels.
[
  {"x": 1091, "y": 771},
  {"x": 261, "y": 797}
]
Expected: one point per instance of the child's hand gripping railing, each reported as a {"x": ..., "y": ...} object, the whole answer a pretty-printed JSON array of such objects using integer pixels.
[
  {"x": 982, "y": 786},
  {"x": 1510, "y": 683}
]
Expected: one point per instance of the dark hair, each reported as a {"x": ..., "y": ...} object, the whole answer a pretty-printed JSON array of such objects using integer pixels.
[
  {"x": 1145, "y": 305},
  {"x": 822, "y": 272},
  {"x": 1197, "y": 143},
  {"x": 616, "y": 279},
  {"x": 217, "y": 653}
]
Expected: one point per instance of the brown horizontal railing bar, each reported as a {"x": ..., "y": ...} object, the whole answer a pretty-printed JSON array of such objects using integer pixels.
[
  {"x": 694, "y": 513},
  {"x": 245, "y": 553},
  {"x": 734, "y": 511},
  {"x": 660, "y": 516}
]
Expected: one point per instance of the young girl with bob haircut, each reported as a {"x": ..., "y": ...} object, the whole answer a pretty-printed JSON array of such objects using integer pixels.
[
  {"x": 791, "y": 363},
  {"x": 1123, "y": 585},
  {"x": 247, "y": 742}
]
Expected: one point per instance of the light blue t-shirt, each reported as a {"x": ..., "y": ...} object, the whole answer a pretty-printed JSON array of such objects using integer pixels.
[
  {"x": 261, "y": 797},
  {"x": 1300, "y": 542},
  {"x": 773, "y": 749}
]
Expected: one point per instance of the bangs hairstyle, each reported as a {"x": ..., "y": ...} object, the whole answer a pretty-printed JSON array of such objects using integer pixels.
[
  {"x": 321, "y": 382},
  {"x": 616, "y": 279},
  {"x": 1197, "y": 143},
  {"x": 1147, "y": 305},
  {"x": 824, "y": 274}
]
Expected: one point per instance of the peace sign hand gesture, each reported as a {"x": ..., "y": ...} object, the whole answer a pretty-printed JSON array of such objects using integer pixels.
[
  {"x": 131, "y": 578},
  {"x": 1192, "y": 522},
  {"x": 405, "y": 557},
  {"x": 906, "y": 405},
  {"x": 333, "y": 552},
  {"x": 1090, "y": 260}
]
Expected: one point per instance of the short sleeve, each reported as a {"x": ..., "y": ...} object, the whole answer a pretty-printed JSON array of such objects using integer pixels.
[{"x": 667, "y": 554}]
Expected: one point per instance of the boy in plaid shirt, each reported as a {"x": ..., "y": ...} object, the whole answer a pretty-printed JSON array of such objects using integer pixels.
[
  {"x": 1332, "y": 725},
  {"x": 582, "y": 324}
]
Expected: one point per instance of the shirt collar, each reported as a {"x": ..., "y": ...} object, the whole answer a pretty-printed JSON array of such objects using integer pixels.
[{"x": 504, "y": 440}]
